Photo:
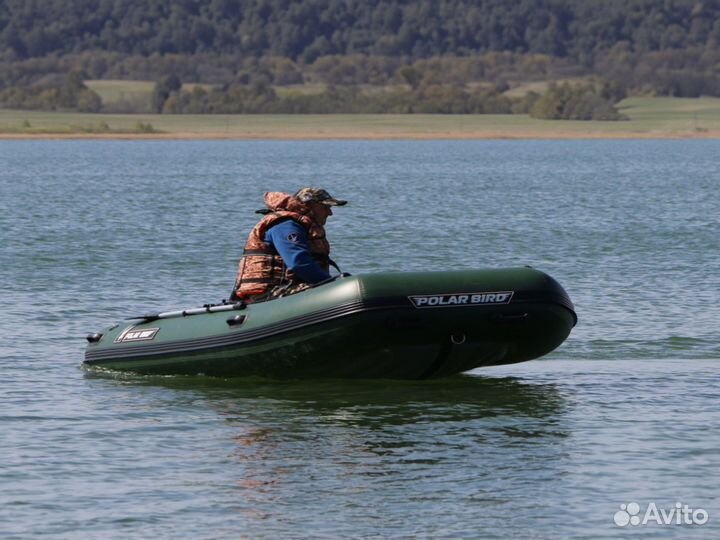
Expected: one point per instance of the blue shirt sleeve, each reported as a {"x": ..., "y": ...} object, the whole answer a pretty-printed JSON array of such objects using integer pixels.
[{"x": 291, "y": 242}]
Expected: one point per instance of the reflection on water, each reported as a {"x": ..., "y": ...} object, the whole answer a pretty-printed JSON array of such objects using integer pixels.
[
  {"x": 294, "y": 447},
  {"x": 363, "y": 403}
]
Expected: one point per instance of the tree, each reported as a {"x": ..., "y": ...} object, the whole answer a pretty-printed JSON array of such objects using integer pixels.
[
  {"x": 411, "y": 76},
  {"x": 565, "y": 102},
  {"x": 163, "y": 89},
  {"x": 88, "y": 101}
]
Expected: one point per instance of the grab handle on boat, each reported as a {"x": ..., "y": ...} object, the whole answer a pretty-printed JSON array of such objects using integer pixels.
[
  {"x": 458, "y": 338},
  {"x": 94, "y": 338},
  {"x": 237, "y": 320}
]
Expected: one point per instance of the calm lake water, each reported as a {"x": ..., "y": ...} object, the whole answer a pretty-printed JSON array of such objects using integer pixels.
[{"x": 622, "y": 419}]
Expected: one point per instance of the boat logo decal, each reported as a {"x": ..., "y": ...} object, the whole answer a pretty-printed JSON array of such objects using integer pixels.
[
  {"x": 131, "y": 335},
  {"x": 461, "y": 299}
]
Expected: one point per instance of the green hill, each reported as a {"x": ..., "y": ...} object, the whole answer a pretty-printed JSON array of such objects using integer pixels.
[
  {"x": 447, "y": 48},
  {"x": 308, "y": 29}
]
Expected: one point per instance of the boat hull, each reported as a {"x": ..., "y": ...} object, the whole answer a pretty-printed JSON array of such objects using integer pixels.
[{"x": 407, "y": 326}]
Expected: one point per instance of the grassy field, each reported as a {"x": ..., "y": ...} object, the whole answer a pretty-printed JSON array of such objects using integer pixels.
[
  {"x": 114, "y": 91},
  {"x": 649, "y": 117},
  {"x": 129, "y": 95}
]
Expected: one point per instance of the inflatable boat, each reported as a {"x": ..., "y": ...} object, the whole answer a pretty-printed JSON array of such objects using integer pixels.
[{"x": 386, "y": 325}]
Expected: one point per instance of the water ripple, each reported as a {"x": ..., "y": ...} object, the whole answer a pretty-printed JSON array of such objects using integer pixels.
[{"x": 625, "y": 411}]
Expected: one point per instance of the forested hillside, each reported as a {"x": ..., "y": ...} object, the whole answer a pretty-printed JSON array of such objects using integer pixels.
[
  {"x": 665, "y": 47},
  {"x": 305, "y": 30}
]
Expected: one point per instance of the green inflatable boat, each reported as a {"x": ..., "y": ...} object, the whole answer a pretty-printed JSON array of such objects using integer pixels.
[{"x": 386, "y": 325}]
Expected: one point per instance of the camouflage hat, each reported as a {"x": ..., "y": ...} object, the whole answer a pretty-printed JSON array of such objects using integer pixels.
[{"x": 318, "y": 195}]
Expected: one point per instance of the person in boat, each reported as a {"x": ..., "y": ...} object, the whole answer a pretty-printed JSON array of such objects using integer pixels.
[{"x": 287, "y": 251}]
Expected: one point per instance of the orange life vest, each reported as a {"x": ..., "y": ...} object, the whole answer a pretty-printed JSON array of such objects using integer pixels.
[{"x": 261, "y": 268}]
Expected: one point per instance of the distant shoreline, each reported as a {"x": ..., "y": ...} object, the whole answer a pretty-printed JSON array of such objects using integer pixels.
[
  {"x": 367, "y": 135},
  {"x": 649, "y": 118}
]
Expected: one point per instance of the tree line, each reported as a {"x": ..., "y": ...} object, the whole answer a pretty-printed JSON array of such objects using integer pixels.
[
  {"x": 260, "y": 98},
  {"x": 589, "y": 101},
  {"x": 429, "y": 53},
  {"x": 305, "y": 30},
  {"x": 58, "y": 93},
  {"x": 684, "y": 72}
]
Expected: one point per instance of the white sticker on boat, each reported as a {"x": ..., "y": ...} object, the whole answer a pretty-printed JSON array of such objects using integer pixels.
[
  {"x": 133, "y": 334},
  {"x": 461, "y": 299}
]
